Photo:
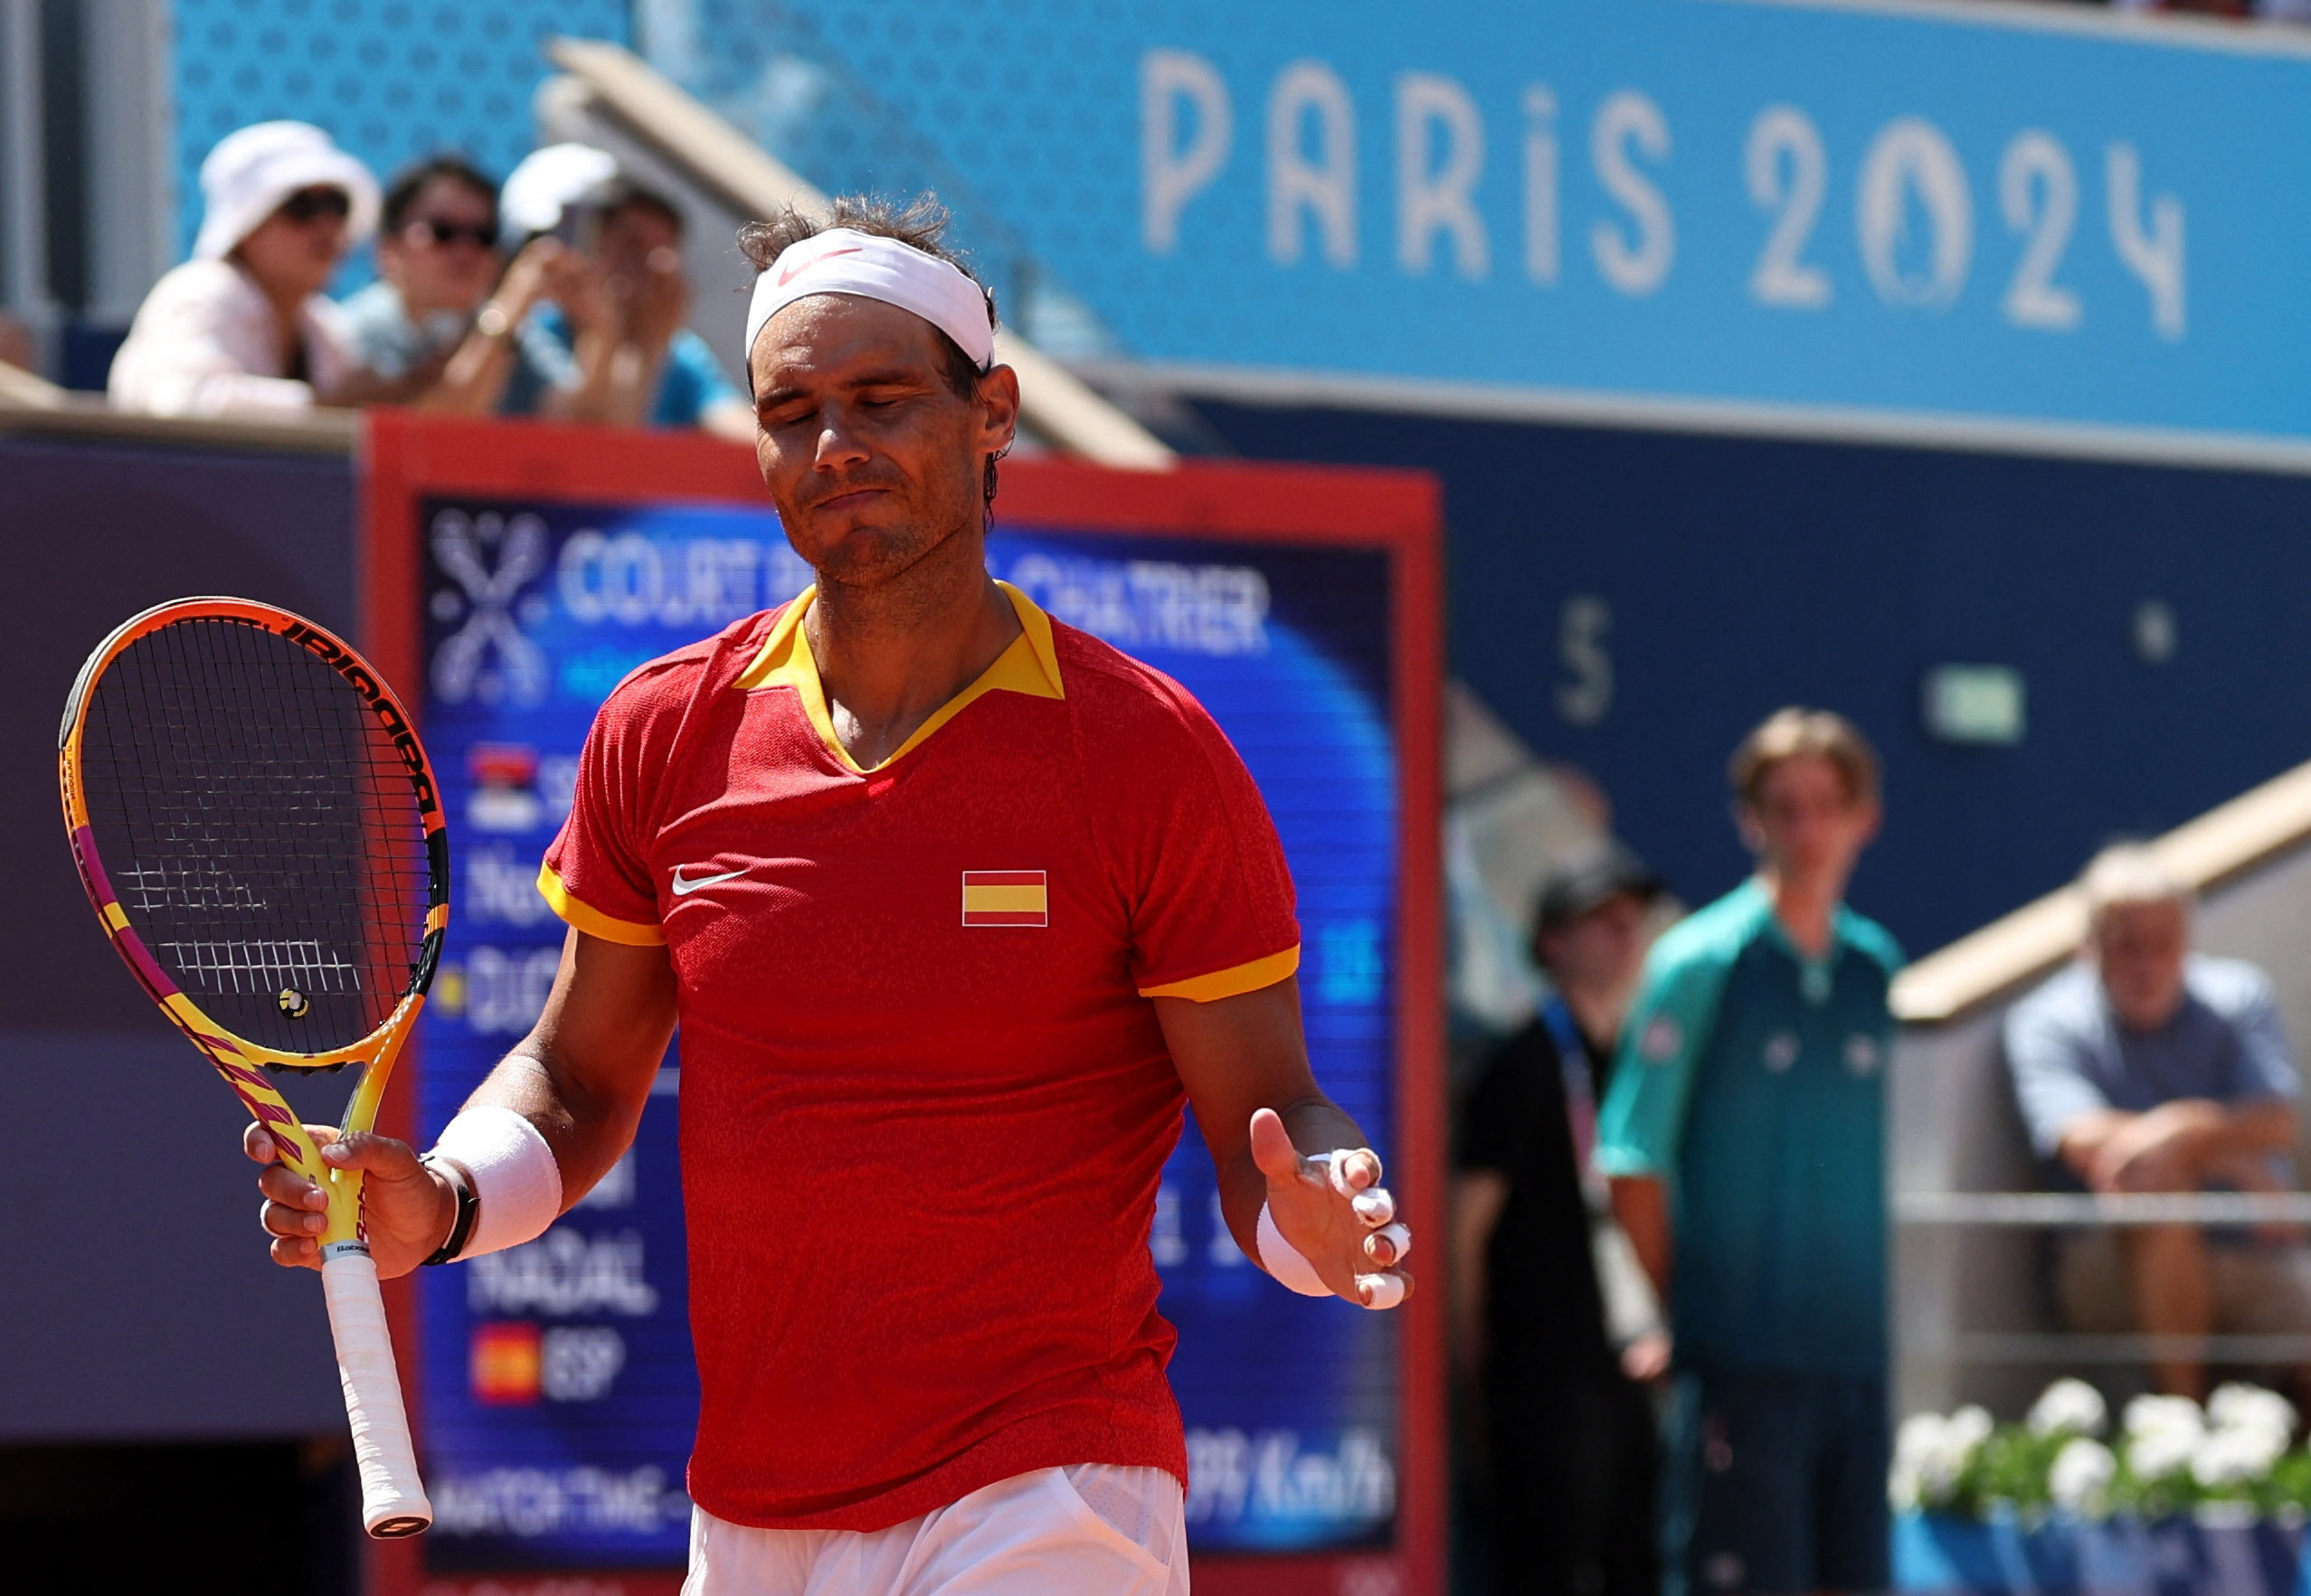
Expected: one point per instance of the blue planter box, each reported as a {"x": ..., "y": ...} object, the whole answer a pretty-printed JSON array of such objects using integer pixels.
[{"x": 2121, "y": 1557}]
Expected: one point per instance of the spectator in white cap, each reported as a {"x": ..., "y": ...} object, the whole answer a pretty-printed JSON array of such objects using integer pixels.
[
  {"x": 242, "y": 328},
  {"x": 622, "y": 355}
]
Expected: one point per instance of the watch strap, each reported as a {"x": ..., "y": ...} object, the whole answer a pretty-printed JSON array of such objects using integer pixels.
[{"x": 468, "y": 1207}]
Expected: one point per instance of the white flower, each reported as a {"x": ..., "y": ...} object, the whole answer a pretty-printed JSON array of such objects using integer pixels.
[
  {"x": 1930, "y": 1453},
  {"x": 1918, "y": 1444},
  {"x": 2235, "y": 1456},
  {"x": 2252, "y": 1409},
  {"x": 2172, "y": 1414},
  {"x": 2079, "y": 1481},
  {"x": 2162, "y": 1435},
  {"x": 2070, "y": 1407},
  {"x": 2160, "y": 1450}
]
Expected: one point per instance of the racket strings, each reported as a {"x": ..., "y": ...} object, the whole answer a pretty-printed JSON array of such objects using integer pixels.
[{"x": 260, "y": 832}]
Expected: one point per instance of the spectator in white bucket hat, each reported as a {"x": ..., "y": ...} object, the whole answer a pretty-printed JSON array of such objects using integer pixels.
[{"x": 243, "y": 327}]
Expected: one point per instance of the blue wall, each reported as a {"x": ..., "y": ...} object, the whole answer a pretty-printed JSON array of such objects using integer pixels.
[
  {"x": 392, "y": 81},
  {"x": 99, "y": 530},
  {"x": 1991, "y": 209},
  {"x": 1742, "y": 575}
]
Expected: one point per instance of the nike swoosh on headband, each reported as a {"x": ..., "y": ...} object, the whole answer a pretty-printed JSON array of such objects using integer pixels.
[
  {"x": 868, "y": 265},
  {"x": 789, "y": 274},
  {"x": 683, "y": 888}
]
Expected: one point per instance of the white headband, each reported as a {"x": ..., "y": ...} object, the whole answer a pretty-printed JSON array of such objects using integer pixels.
[{"x": 842, "y": 261}]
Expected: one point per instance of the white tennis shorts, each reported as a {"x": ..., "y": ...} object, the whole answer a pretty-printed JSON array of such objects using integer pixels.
[{"x": 1094, "y": 1527}]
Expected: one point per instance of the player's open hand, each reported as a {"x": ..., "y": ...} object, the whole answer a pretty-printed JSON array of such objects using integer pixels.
[
  {"x": 1333, "y": 1210},
  {"x": 408, "y": 1209}
]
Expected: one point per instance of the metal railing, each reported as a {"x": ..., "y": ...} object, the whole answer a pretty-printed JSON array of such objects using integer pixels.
[
  {"x": 2097, "y": 1211},
  {"x": 31, "y": 404}
]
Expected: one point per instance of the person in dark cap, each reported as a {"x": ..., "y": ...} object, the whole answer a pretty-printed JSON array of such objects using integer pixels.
[{"x": 1553, "y": 1324}]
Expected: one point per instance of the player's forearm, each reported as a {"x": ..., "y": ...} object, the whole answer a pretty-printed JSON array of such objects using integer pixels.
[
  {"x": 587, "y": 1129},
  {"x": 584, "y": 1073}
]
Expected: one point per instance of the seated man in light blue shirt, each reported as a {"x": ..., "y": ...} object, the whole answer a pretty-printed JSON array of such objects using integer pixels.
[{"x": 2147, "y": 1068}]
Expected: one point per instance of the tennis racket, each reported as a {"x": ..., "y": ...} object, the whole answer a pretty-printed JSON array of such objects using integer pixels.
[{"x": 258, "y": 828}]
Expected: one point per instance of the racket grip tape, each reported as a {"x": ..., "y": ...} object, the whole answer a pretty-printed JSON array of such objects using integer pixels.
[{"x": 392, "y": 1500}]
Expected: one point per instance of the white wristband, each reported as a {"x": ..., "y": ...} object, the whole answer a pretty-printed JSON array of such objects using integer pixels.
[
  {"x": 1281, "y": 1260},
  {"x": 516, "y": 1180}
]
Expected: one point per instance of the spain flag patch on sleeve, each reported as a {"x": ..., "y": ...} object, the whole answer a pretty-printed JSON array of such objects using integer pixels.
[{"x": 1006, "y": 897}]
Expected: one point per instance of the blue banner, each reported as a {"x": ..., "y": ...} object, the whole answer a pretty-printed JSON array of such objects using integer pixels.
[
  {"x": 1986, "y": 211},
  {"x": 558, "y": 1388}
]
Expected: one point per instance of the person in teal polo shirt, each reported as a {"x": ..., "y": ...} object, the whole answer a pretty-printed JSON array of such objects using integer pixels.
[{"x": 1744, "y": 1137}]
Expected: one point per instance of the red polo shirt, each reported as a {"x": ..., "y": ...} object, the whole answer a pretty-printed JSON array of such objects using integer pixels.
[{"x": 925, "y": 1101}]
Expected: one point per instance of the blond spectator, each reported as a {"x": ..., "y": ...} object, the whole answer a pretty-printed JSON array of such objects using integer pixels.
[{"x": 242, "y": 328}]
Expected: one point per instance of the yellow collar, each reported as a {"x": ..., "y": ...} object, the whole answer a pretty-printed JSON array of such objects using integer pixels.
[{"x": 1030, "y": 666}]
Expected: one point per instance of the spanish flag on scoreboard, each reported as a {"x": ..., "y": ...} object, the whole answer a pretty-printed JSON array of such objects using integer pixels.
[
  {"x": 507, "y": 1363},
  {"x": 1006, "y": 897}
]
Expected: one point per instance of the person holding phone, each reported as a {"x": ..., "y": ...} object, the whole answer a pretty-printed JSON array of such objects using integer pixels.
[
  {"x": 623, "y": 355},
  {"x": 446, "y": 298}
]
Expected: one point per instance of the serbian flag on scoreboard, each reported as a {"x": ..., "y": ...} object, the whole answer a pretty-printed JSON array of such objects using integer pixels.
[{"x": 1006, "y": 897}]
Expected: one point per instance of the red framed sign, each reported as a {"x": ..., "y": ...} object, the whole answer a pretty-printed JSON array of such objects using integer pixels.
[{"x": 512, "y": 572}]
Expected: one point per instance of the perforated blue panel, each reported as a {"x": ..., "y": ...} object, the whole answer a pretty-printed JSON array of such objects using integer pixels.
[
  {"x": 996, "y": 105},
  {"x": 1584, "y": 194},
  {"x": 392, "y": 81}
]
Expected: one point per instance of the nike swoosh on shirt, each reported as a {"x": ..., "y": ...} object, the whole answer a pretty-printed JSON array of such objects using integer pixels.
[
  {"x": 683, "y": 888},
  {"x": 800, "y": 266}
]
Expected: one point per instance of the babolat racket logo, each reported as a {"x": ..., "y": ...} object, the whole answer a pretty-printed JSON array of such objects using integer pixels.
[{"x": 381, "y": 704}]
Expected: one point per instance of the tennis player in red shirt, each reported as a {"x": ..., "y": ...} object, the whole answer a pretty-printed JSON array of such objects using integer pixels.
[{"x": 957, "y": 907}]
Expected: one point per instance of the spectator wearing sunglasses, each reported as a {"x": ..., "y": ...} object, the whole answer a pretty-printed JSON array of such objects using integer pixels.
[
  {"x": 242, "y": 329},
  {"x": 432, "y": 317}
]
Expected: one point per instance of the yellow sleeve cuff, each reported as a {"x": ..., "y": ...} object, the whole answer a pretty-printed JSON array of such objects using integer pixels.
[
  {"x": 592, "y": 920},
  {"x": 1231, "y": 983}
]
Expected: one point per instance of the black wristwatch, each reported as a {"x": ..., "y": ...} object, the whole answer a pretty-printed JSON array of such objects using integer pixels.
[{"x": 469, "y": 1205}]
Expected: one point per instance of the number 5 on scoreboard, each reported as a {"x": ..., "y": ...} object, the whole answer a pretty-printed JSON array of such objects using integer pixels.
[{"x": 258, "y": 828}]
